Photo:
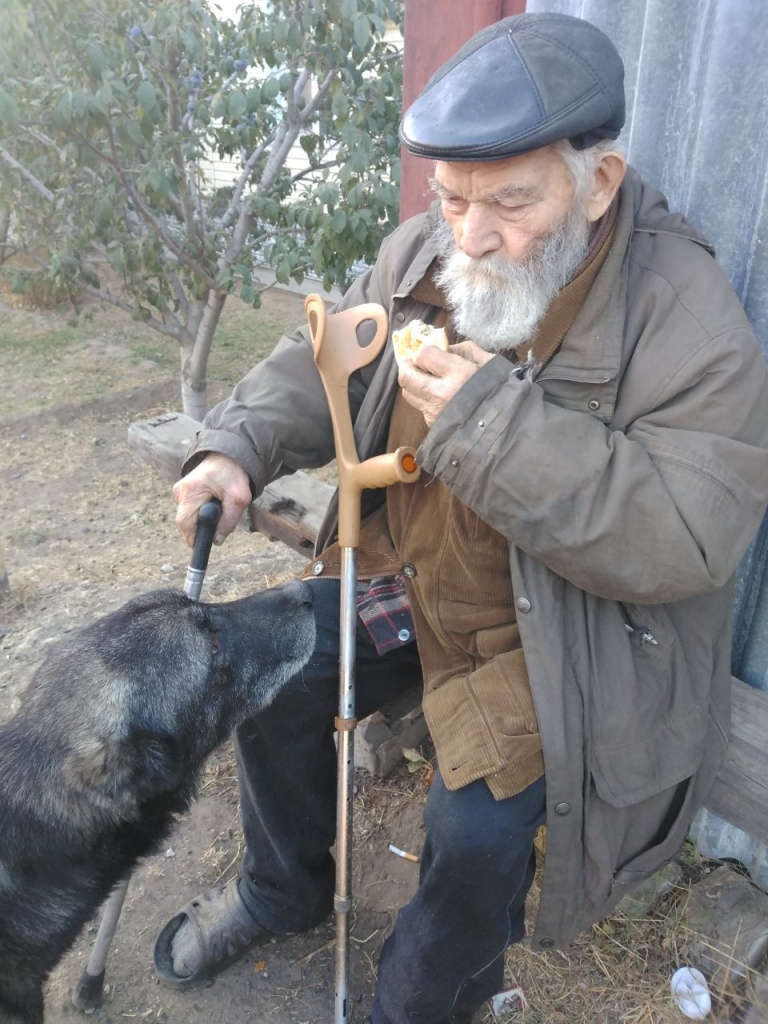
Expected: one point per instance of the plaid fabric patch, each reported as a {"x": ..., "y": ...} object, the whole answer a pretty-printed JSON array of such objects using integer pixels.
[{"x": 385, "y": 611}]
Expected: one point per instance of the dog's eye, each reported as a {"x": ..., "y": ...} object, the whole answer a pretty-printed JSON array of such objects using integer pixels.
[{"x": 215, "y": 642}]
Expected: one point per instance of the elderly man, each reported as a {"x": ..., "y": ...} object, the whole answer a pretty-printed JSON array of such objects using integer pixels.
[{"x": 593, "y": 454}]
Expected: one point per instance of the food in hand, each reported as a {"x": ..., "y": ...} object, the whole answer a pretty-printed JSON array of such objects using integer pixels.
[{"x": 413, "y": 336}]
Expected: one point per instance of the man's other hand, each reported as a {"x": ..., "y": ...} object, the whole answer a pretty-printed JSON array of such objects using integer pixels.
[
  {"x": 217, "y": 476},
  {"x": 431, "y": 379}
]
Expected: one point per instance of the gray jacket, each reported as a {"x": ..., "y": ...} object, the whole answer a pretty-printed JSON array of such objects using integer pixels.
[{"x": 629, "y": 478}]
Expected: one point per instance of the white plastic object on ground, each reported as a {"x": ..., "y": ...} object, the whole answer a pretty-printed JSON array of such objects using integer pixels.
[{"x": 691, "y": 993}]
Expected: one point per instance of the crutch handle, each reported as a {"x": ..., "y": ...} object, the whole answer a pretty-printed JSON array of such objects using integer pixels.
[{"x": 338, "y": 354}]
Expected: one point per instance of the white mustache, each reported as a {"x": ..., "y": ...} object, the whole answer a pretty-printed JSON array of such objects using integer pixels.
[{"x": 498, "y": 303}]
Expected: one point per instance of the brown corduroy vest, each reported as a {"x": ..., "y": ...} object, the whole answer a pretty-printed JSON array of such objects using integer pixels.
[{"x": 476, "y": 690}]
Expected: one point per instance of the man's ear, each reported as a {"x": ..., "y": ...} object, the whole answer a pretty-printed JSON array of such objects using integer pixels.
[{"x": 609, "y": 175}]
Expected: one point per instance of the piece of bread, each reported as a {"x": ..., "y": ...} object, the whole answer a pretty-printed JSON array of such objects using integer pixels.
[{"x": 410, "y": 339}]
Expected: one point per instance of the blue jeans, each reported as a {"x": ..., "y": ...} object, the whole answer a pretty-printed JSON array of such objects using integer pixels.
[{"x": 445, "y": 956}]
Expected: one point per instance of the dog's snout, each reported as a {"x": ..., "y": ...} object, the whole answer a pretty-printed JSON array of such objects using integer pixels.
[{"x": 307, "y": 597}]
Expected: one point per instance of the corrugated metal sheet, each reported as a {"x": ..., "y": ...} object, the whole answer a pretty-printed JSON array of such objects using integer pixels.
[{"x": 697, "y": 112}]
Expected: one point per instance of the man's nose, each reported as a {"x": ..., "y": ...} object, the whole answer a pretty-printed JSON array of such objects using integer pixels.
[{"x": 478, "y": 234}]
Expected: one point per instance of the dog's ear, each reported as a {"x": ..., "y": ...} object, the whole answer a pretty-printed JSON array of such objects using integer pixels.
[
  {"x": 97, "y": 767},
  {"x": 137, "y": 767},
  {"x": 158, "y": 764}
]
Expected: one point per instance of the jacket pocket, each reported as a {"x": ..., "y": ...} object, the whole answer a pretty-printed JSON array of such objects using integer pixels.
[
  {"x": 624, "y": 846},
  {"x": 667, "y": 841},
  {"x": 649, "y": 707}
]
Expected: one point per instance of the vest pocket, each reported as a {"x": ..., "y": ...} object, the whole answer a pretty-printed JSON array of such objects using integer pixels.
[{"x": 483, "y": 722}]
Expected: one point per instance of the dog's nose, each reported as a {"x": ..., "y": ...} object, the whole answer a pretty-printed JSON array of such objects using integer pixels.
[{"x": 307, "y": 596}]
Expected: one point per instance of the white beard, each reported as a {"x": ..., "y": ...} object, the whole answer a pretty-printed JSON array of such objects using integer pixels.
[{"x": 497, "y": 303}]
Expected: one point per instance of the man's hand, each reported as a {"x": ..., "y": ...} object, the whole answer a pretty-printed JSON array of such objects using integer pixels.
[
  {"x": 431, "y": 379},
  {"x": 217, "y": 476}
]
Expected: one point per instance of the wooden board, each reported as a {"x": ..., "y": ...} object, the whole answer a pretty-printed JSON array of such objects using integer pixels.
[
  {"x": 740, "y": 793},
  {"x": 290, "y": 509}
]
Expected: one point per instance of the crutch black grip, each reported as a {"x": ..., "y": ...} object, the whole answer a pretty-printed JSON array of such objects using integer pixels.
[{"x": 207, "y": 520}]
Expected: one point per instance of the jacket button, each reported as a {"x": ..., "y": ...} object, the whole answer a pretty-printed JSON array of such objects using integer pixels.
[
  {"x": 546, "y": 943},
  {"x": 594, "y": 405},
  {"x": 454, "y": 462},
  {"x": 562, "y": 808},
  {"x": 400, "y": 317},
  {"x": 409, "y": 570},
  {"x": 317, "y": 568},
  {"x": 523, "y": 604},
  {"x": 404, "y": 635}
]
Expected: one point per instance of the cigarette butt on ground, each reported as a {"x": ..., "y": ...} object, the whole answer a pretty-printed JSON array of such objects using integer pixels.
[{"x": 401, "y": 853}]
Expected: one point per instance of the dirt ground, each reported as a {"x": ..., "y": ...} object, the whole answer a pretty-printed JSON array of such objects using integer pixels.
[{"x": 84, "y": 526}]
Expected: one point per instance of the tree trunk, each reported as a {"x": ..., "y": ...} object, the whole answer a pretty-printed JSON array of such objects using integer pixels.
[
  {"x": 5, "y": 224},
  {"x": 194, "y": 358},
  {"x": 194, "y": 401}
]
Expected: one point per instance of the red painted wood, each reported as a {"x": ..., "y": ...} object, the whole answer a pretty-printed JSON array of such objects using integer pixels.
[{"x": 434, "y": 30}]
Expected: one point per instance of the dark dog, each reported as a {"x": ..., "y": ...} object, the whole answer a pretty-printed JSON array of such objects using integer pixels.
[{"x": 106, "y": 749}]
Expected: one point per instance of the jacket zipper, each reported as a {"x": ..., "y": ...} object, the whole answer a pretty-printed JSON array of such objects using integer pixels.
[
  {"x": 575, "y": 380},
  {"x": 644, "y": 635}
]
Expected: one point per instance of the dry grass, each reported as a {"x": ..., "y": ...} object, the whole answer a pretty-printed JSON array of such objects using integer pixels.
[{"x": 619, "y": 973}]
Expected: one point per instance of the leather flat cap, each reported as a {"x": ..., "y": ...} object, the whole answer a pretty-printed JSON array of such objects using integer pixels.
[{"x": 522, "y": 83}]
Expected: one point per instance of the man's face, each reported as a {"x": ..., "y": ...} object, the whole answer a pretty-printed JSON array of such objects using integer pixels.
[
  {"x": 514, "y": 233},
  {"x": 504, "y": 206}
]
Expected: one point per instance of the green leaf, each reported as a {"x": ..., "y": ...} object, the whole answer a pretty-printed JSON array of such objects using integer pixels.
[
  {"x": 103, "y": 211},
  {"x": 96, "y": 59},
  {"x": 62, "y": 114},
  {"x": 254, "y": 99},
  {"x": 146, "y": 96},
  {"x": 270, "y": 89},
  {"x": 414, "y": 757},
  {"x": 237, "y": 104},
  {"x": 103, "y": 98},
  {"x": 361, "y": 31}
]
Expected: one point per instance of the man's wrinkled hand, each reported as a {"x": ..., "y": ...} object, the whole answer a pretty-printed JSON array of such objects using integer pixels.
[
  {"x": 217, "y": 476},
  {"x": 432, "y": 378}
]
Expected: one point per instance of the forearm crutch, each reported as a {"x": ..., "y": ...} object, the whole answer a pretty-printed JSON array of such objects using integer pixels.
[
  {"x": 338, "y": 353},
  {"x": 89, "y": 989}
]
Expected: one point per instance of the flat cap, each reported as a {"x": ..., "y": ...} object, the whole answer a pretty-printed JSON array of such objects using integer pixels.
[{"x": 522, "y": 83}]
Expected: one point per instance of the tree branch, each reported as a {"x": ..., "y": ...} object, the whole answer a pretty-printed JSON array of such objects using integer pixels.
[
  {"x": 318, "y": 99},
  {"x": 34, "y": 182},
  {"x": 310, "y": 170},
  {"x": 172, "y": 330},
  {"x": 150, "y": 219},
  {"x": 228, "y": 216}
]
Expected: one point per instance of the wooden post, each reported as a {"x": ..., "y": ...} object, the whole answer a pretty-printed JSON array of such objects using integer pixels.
[{"x": 434, "y": 30}]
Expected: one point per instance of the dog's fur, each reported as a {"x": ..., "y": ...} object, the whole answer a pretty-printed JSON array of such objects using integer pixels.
[{"x": 106, "y": 749}]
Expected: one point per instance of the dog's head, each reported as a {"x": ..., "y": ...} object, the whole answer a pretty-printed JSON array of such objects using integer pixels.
[{"x": 135, "y": 702}]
